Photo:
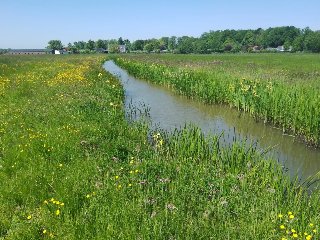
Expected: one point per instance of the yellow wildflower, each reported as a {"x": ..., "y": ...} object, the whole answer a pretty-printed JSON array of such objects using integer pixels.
[
  {"x": 88, "y": 196},
  {"x": 295, "y": 235},
  {"x": 290, "y": 213},
  {"x": 117, "y": 177},
  {"x": 60, "y": 165},
  {"x": 44, "y": 231},
  {"x": 45, "y": 202},
  {"x": 57, "y": 212},
  {"x": 280, "y": 215},
  {"x": 283, "y": 238},
  {"x": 292, "y": 230},
  {"x": 29, "y": 217},
  {"x": 130, "y": 185},
  {"x": 309, "y": 237},
  {"x": 314, "y": 230},
  {"x": 291, "y": 216},
  {"x": 311, "y": 224},
  {"x": 62, "y": 204},
  {"x": 282, "y": 227},
  {"x": 136, "y": 171}
]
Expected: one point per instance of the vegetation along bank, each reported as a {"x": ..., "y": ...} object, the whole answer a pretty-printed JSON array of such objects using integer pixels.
[
  {"x": 279, "y": 89},
  {"x": 72, "y": 167}
]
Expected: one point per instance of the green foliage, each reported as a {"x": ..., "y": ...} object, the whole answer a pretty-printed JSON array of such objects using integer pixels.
[
  {"x": 148, "y": 47},
  {"x": 312, "y": 42},
  {"x": 74, "y": 168},
  {"x": 113, "y": 48},
  {"x": 294, "y": 107},
  {"x": 90, "y": 45},
  {"x": 55, "y": 45}
]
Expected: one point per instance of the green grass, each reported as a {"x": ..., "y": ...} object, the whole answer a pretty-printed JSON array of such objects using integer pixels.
[
  {"x": 65, "y": 145},
  {"x": 280, "y": 89}
]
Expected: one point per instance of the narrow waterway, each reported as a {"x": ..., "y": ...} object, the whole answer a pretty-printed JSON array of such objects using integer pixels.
[{"x": 169, "y": 111}]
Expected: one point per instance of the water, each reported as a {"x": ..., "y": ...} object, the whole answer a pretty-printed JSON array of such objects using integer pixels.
[{"x": 170, "y": 111}]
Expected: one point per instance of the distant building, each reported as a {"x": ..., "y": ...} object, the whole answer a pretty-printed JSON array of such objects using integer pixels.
[
  {"x": 122, "y": 48},
  {"x": 280, "y": 49},
  {"x": 63, "y": 51},
  {"x": 29, "y": 51}
]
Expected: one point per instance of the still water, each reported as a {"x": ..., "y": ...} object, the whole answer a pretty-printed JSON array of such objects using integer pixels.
[{"x": 170, "y": 111}]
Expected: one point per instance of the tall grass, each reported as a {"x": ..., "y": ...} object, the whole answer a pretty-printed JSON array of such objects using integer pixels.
[
  {"x": 72, "y": 167},
  {"x": 294, "y": 107}
]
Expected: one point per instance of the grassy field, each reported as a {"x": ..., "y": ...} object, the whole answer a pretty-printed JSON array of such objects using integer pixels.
[
  {"x": 281, "y": 89},
  {"x": 72, "y": 167}
]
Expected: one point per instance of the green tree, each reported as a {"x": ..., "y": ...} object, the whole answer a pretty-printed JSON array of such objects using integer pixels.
[
  {"x": 312, "y": 42},
  {"x": 120, "y": 41},
  {"x": 231, "y": 45},
  {"x": 138, "y": 45},
  {"x": 100, "y": 44},
  {"x": 148, "y": 47},
  {"x": 172, "y": 43},
  {"x": 185, "y": 44},
  {"x": 127, "y": 43},
  {"x": 55, "y": 45},
  {"x": 72, "y": 48},
  {"x": 248, "y": 41},
  {"x": 113, "y": 48},
  {"x": 90, "y": 45},
  {"x": 297, "y": 44}
]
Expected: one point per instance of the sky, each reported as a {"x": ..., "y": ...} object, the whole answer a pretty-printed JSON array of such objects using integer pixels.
[{"x": 32, "y": 23}]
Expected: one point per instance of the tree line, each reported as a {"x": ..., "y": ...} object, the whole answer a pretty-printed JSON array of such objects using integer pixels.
[{"x": 290, "y": 37}]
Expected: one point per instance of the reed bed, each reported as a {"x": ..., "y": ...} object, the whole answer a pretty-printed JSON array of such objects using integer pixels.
[{"x": 293, "y": 106}]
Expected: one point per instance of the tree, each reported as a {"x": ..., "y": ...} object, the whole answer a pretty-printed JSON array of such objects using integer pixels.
[
  {"x": 113, "y": 48},
  {"x": 148, "y": 47},
  {"x": 80, "y": 45},
  {"x": 120, "y": 41},
  {"x": 248, "y": 41},
  {"x": 55, "y": 45},
  {"x": 127, "y": 43},
  {"x": 297, "y": 44},
  {"x": 72, "y": 48},
  {"x": 90, "y": 45},
  {"x": 312, "y": 42},
  {"x": 231, "y": 45},
  {"x": 100, "y": 44},
  {"x": 138, "y": 45},
  {"x": 172, "y": 43},
  {"x": 185, "y": 44}
]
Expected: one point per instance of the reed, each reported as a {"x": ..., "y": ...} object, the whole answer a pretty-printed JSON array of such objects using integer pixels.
[{"x": 294, "y": 107}]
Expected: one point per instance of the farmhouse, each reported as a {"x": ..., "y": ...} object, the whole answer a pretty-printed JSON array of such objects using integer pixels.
[
  {"x": 122, "y": 48},
  {"x": 63, "y": 51},
  {"x": 29, "y": 51}
]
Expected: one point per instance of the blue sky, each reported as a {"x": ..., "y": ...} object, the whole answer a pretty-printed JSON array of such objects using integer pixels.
[{"x": 32, "y": 23}]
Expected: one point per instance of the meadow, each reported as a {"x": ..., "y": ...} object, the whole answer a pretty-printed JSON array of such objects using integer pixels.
[
  {"x": 278, "y": 89},
  {"x": 73, "y": 167}
]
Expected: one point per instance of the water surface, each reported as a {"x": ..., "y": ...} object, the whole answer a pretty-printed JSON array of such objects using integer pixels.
[{"x": 169, "y": 111}]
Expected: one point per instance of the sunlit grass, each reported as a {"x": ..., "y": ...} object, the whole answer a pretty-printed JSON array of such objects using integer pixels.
[{"x": 72, "y": 167}]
